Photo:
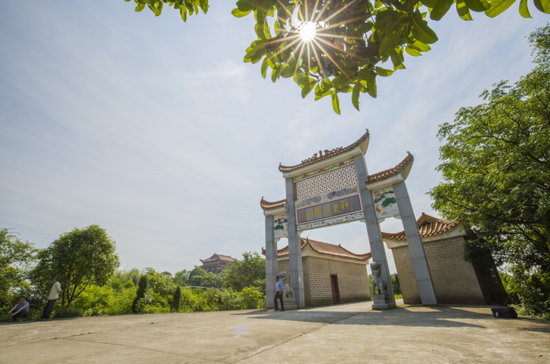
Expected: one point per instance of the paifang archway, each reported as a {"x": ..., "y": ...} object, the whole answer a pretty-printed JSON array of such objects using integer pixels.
[{"x": 334, "y": 187}]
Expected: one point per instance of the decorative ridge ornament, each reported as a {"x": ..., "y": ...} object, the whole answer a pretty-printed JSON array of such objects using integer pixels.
[
  {"x": 266, "y": 205},
  {"x": 394, "y": 171},
  {"x": 328, "y": 154}
]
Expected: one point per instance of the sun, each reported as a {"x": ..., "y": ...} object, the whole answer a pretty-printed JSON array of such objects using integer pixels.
[{"x": 308, "y": 31}]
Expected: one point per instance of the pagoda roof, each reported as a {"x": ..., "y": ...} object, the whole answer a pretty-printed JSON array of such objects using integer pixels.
[
  {"x": 326, "y": 249},
  {"x": 362, "y": 142},
  {"x": 266, "y": 205},
  {"x": 217, "y": 257},
  {"x": 403, "y": 167},
  {"x": 427, "y": 226}
]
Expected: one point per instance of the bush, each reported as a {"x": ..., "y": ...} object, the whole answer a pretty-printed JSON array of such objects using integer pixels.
[
  {"x": 104, "y": 301},
  {"x": 529, "y": 292},
  {"x": 253, "y": 298},
  {"x": 64, "y": 312}
]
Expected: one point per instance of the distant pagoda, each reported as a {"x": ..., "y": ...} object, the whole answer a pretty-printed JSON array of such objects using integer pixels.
[{"x": 216, "y": 263}]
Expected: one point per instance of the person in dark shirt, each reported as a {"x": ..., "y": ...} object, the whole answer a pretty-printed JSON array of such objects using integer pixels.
[
  {"x": 20, "y": 310},
  {"x": 279, "y": 294}
]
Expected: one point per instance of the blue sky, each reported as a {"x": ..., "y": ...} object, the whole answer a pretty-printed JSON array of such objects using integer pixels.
[{"x": 157, "y": 131}]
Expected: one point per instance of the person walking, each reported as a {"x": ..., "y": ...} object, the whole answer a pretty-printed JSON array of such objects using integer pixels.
[
  {"x": 279, "y": 294},
  {"x": 52, "y": 298},
  {"x": 20, "y": 310}
]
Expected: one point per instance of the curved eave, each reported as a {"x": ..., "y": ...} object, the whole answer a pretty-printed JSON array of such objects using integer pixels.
[
  {"x": 266, "y": 205},
  {"x": 403, "y": 168},
  {"x": 428, "y": 226},
  {"x": 283, "y": 252},
  {"x": 362, "y": 143}
]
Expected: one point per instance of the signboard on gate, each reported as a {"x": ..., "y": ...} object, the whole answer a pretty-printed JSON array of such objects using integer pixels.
[{"x": 335, "y": 207}]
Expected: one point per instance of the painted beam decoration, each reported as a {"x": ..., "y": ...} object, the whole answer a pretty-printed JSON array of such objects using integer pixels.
[
  {"x": 331, "y": 208},
  {"x": 385, "y": 203},
  {"x": 280, "y": 226}
]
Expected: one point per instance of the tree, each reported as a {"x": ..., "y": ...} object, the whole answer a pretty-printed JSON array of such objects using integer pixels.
[
  {"x": 15, "y": 258},
  {"x": 496, "y": 177},
  {"x": 79, "y": 258},
  {"x": 131, "y": 275},
  {"x": 182, "y": 278},
  {"x": 248, "y": 272},
  {"x": 395, "y": 284},
  {"x": 196, "y": 276},
  {"x": 335, "y": 46},
  {"x": 142, "y": 287},
  {"x": 176, "y": 300}
]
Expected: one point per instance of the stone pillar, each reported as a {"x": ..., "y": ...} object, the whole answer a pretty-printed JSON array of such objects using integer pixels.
[
  {"x": 294, "y": 248},
  {"x": 373, "y": 229},
  {"x": 270, "y": 262},
  {"x": 418, "y": 256}
]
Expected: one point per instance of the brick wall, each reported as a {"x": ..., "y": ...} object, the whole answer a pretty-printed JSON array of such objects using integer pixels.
[
  {"x": 353, "y": 280},
  {"x": 405, "y": 272},
  {"x": 454, "y": 279}
]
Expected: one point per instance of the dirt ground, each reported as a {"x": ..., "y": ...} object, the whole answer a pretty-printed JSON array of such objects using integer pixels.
[{"x": 347, "y": 333}]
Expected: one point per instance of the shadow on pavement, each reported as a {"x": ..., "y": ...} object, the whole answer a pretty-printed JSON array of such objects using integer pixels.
[
  {"x": 35, "y": 321},
  {"x": 400, "y": 316}
]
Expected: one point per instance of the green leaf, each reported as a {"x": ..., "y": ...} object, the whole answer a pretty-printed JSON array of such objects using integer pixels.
[
  {"x": 277, "y": 27},
  {"x": 411, "y": 50},
  {"x": 543, "y": 5},
  {"x": 204, "y": 6},
  {"x": 524, "y": 9},
  {"x": 355, "y": 94},
  {"x": 370, "y": 78},
  {"x": 259, "y": 29},
  {"x": 244, "y": 5},
  {"x": 463, "y": 10},
  {"x": 498, "y": 7},
  {"x": 440, "y": 9},
  {"x": 259, "y": 15},
  {"x": 307, "y": 89},
  {"x": 264, "y": 67},
  {"x": 429, "y": 3},
  {"x": 239, "y": 14},
  {"x": 276, "y": 73},
  {"x": 478, "y": 5},
  {"x": 397, "y": 58},
  {"x": 287, "y": 72},
  {"x": 422, "y": 46},
  {"x": 421, "y": 30},
  {"x": 140, "y": 7},
  {"x": 183, "y": 13},
  {"x": 267, "y": 32},
  {"x": 336, "y": 103},
  {"x": 383, "y": 72}
]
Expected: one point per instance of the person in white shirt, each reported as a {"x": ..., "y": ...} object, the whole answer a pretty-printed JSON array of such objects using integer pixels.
[
  {"x": 52, "y": 298},
  {"x": 279, "y": 294}
]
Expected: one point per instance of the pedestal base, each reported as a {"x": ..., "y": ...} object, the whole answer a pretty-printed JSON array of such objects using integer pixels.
[
  {"x": 290, "y": 305},
  {"x": 379, "y": 302}
]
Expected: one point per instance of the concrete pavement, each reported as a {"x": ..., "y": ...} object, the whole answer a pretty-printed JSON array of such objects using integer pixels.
[{"x": 347, "y": 333}]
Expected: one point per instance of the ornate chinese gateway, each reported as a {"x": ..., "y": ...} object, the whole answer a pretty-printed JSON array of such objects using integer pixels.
[{"x": 333, "y": 187}]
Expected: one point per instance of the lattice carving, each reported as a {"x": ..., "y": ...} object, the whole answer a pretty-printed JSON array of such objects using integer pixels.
[{"x": 326, "y": 182}]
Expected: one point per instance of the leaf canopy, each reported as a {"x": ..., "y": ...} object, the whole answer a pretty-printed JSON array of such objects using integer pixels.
[{"x": 352, "y": 37}]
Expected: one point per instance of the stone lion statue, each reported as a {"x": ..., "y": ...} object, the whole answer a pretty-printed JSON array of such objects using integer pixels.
[
  {"x": 377, "y": 281},
  {"x": 288, "y": 292}
]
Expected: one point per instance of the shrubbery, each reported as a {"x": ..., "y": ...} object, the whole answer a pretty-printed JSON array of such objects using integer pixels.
[
  {"x": 128, "y": 291},
  {"x": 117, "y": 298}
]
